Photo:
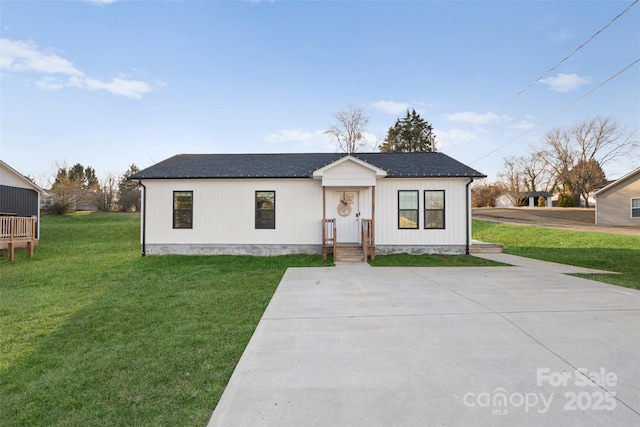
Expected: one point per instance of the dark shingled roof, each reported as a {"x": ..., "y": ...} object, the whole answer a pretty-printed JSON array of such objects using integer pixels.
[{"x": 301, "y": 165}]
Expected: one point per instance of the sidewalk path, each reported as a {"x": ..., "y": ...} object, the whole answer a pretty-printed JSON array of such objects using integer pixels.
[{"x": 540, "y": 265}]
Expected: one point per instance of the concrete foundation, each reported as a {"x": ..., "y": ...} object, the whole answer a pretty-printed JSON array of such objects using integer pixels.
[
  {"x": 260, "y": 250},
  {"x": 270, "y": 250}
]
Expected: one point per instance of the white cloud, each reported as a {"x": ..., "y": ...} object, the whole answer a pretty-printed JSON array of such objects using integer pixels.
[
  {"x": 447, "y": 138},
  {"x": 391, "y": 107},
  {"x": 454, "y": 135},
  {"x": 523, "y": 125},
  {"x": 49, "y": 83},
  {"x": 19, "y": 56},
  {"x": 473, "y": 118},
  {"x": 566, "y": 82},
  {"x": 371, "y": 141},
  {"x": 118, "y": 86},
  {"x": 26, "y": 57}
]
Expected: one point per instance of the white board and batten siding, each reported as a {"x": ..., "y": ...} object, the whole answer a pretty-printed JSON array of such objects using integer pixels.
[
  {"x": 224, "y": 212},
  {"x": 387, "y": 231}
]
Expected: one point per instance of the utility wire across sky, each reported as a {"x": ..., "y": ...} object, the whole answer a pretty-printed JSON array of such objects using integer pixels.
[
  {"x": 558, "y": 112},
  {"x": 546, "y": 73}
]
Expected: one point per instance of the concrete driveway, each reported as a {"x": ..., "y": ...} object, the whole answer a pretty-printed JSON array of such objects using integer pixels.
[{"x": 475, "y": 346}]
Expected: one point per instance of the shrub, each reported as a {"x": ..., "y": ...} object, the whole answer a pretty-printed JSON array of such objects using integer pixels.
[{"x": 566, "y": 200}]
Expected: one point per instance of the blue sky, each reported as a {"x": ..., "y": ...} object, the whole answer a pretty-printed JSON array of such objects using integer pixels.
[{"x": 110, "y": 83}]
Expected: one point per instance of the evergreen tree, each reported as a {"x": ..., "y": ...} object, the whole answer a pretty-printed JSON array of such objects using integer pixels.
[
  {"x": 128, "y": 192},
  {"x": 409, "y": 134}
]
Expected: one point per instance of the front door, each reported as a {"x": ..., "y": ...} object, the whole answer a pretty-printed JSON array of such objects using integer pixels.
[{"x": 347, "y": 214}]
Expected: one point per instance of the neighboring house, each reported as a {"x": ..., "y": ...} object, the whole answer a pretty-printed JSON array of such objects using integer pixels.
[
  {"x": 19, "y": 210},
  {"x": 618, "y": 204},
  {"x": 528, "y": 199},
  {"x": 306, "y": 203}
]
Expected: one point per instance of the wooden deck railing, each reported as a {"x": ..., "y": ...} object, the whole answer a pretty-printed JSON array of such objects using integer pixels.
[
  {"x": 329, "y": 241},
  {"x": 17, "y": 232},
  {"x": 368, "y": 239}
]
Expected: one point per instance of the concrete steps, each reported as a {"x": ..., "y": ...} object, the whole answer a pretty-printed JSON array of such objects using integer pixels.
[
  {"x": 349, "y": 253},
  {"x": 478, "y": 247}
]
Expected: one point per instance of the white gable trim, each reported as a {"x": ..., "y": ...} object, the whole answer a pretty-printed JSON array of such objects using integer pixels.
[{"x": 349, "y": 172}]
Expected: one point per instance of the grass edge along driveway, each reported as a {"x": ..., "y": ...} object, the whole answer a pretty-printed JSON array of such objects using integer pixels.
[{"x": 604, "y": 251}]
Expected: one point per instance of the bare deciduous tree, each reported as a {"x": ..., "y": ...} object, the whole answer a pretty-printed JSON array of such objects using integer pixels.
[
  {"x": 512, "y": 179},
  {"x": 348, "y": 131},
  {"x": 484, "y": 194},
  {"x": 108, "y": 193},
  {"x": 576, "y": 155}
]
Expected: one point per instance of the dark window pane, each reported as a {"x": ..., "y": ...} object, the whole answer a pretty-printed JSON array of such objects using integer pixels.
[
  {"x": 434, "y": 200},
  {"x": 265, "y": 219},
  {"x": 408, "y": 209},
  {"x": 182, "y": 219},
  {"x": 182, "y": 209},
  {"x": 265, "y": 209},
  {"x": 434, "y": 219},
  {"x": 408, "y": 219},
  {"x": 408, "y": 200},
  {"x": 434, "y": 209},
  {"x": 182, "y": 200},
  {"x": 265, "y": 200}
]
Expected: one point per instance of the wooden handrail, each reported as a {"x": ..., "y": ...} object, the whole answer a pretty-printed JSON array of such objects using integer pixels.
[
  {"x": 328, "y": 232},
  {"x": 365, "y": 240},
  {"x": 368, "y": 243},
  {"x": 329, "y": 241}
]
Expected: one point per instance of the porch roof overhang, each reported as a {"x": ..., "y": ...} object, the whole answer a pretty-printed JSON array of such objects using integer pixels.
[{"x": 349, "y": 171}]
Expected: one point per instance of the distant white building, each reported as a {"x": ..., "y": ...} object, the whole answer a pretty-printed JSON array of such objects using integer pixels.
[{"x": 528, "y": 199}]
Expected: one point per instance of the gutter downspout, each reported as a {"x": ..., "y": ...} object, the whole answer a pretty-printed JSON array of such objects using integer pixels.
[
  {"x": 468, "y": 209},
  {"x": 144, "y": 218}
]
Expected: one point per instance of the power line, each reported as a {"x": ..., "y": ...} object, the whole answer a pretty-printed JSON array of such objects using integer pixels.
[
  {"x": 563, "y": 59},
  {"x": 559, "y": 111}
]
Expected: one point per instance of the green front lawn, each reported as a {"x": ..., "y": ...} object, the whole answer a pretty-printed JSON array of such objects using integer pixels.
[
  {"x": 94, "y": 334},
  {"x": 91, "y": 333},
  {"x": 603, "y": 251}
]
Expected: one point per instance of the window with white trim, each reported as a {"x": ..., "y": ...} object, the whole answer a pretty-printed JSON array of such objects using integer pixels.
[{"x": 635, "y": 207}]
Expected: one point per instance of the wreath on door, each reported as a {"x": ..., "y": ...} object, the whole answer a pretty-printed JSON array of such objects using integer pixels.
[{"x": 344, "y": 207}]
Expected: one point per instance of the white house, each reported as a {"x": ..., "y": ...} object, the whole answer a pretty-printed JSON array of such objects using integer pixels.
[
  {"x": 306, "y": 203},
  {"x": 618, "y": 204}
]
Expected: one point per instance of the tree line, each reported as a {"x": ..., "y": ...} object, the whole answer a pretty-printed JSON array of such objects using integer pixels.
[
  {"x": 568, "y": 161},
  {"x": 78, "y": 188}
]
